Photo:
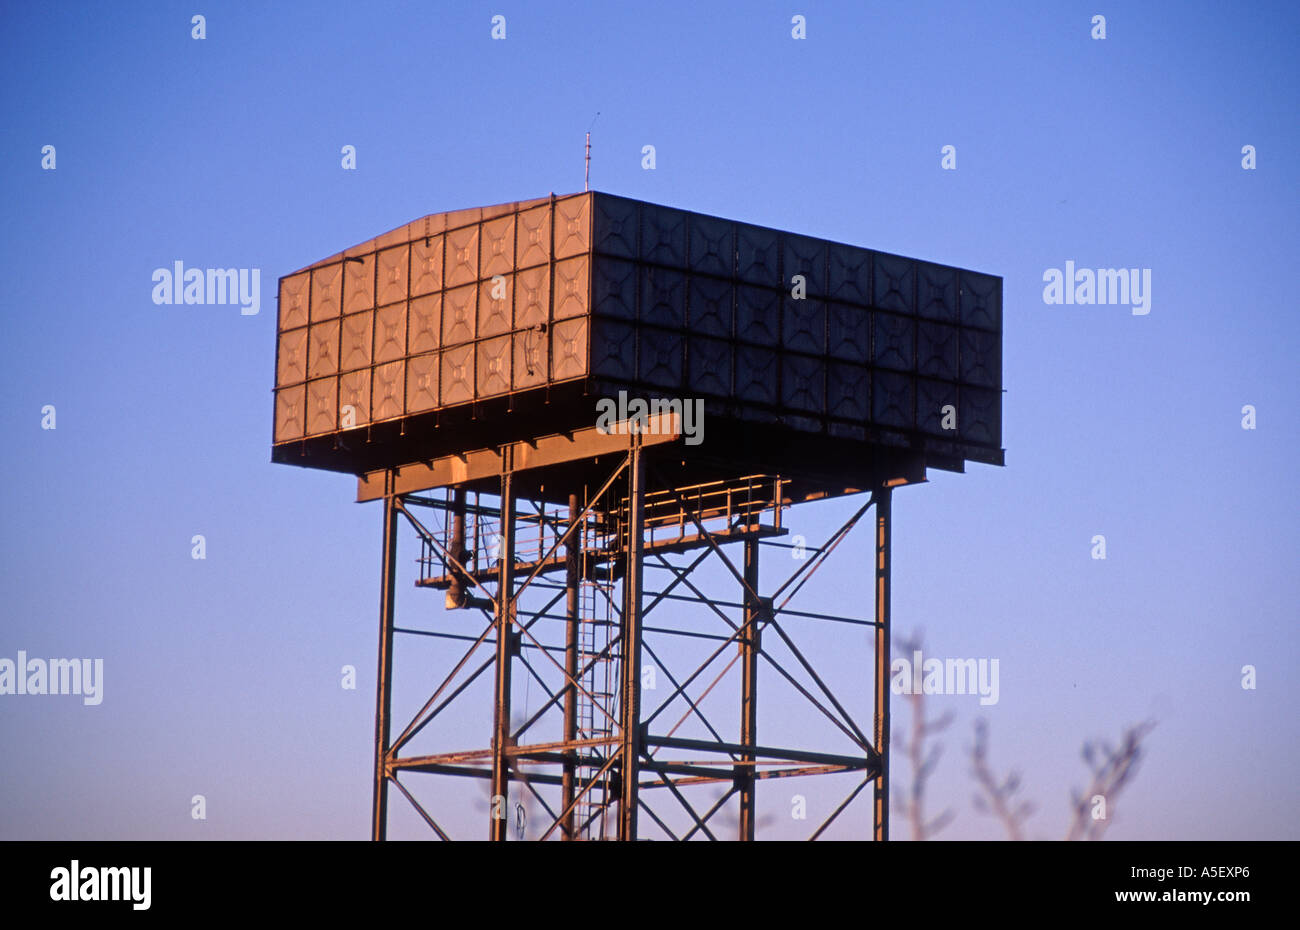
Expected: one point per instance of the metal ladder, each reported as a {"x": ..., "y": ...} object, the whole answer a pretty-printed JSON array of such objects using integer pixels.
[{"x": 597, "y": 625}]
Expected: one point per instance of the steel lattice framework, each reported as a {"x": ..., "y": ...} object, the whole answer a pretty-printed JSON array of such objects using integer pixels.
[{"x": 539, "y": 575}]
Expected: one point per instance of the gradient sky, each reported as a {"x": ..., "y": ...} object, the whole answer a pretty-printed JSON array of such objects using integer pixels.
[{"x": 222, "y": 675}]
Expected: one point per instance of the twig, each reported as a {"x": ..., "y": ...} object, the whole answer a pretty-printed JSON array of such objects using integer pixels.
[
  {"x": 1111, "y": 771},
  {"x": 997, "y": 798},
  {"x": 923, "y": 759}
]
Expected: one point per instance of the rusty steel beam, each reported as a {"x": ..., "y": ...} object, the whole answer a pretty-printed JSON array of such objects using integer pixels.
[
  {"x": 505, "y": 636},
  {"x": 419, "y": 720},
  {"x": 839, "y": 810},
  {"x": 812, "y": 699},
  {"x": 694, "y": 705},
  {"x": 709, "y": 539},
  {"x": 485, "y": 464},
  {"x": 812, "y": 673},
  {"x": 572, "y": 558},
  {"x": 456, "y": 593},
  {"x": 679, "y": 575},
  {"x": 749, "y": 650},
  {"x": 569, "y": 532},
  {"x": 672, "y": 546},
  {"x": 484, "y": 774},
  {"x": 659, "y": 823},
  {"x": 809, "y": 568},
  {"x": 761, "y": 753},
  {"x": 446, "y": 553},
  {"x": 592, "y": 782},
  {"x": 573, "y": 683},
  {"x": 510, "y": 752},
  {"x": 717, "y": 806},
  {"x": 700, "y": 596},
  {"x": 419, "y": 808},
  {"x": 724, "y": 776},
  {"x": 705, "y": 693},
  {"x": 883, "y": 517},
  {"x": 806, "y": 770},
  {"x": 686, "y": 768},
  {"x": 631, "y": 639},
  {"x": 384, "y": 677},
  {"x": 687, "y": 805}
]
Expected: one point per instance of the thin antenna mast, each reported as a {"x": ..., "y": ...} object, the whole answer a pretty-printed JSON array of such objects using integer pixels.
[{"x": 586, "y": 170}]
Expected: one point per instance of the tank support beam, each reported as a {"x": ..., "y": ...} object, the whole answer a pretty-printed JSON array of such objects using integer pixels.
[
  {"x": 383, "y": 677},
  {"x": 883, "y": 517}
]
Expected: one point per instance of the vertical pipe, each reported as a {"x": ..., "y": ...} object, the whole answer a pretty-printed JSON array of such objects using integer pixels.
[
  {"x": 499, "y": 813},
  {"x": 384, "y": 681},
  {"x": 572, "y": 553},
  {"x": 883, "y": 519},
  {"x": 631, "y": 685},
  {"x": 749, "y": 646},
  {"x": 478, "y": 522},
  {"x": 456, "y": 591}
]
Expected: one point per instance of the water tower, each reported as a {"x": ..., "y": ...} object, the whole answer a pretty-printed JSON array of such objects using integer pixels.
[{"x": 580, "y": 404}]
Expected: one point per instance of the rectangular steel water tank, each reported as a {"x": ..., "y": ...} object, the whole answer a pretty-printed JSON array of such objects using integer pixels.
[{"x": 478, "y": 327}]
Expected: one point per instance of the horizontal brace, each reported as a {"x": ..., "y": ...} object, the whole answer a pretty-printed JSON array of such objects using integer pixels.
[
  {"x": 678, "y": 768},
  {"x": 689, "y": 633},
  {"x": 521, "y": 516},
  {"x": 766, "y": 752},
  {"x": 471, "y": 639},
  {"x": 729, "y": 777},
  {"x": 483, "y": 773},
  {"x": 812, "y": 770},
  {"x": 485, "y": 755},
  {"x": 770, "y": 542},
  {"x": 736, "y": 605}
]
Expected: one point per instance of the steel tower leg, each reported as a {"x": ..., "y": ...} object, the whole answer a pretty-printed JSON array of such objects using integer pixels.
[
  {"x": 749, "y": 649},
  {"x": 384, "y": 680},
  {"x": 883, "y": 519},
  {"x": 631, "y": 690},
  {"x": 505, "y": 633},
  {"x": 572, "y": 553}
]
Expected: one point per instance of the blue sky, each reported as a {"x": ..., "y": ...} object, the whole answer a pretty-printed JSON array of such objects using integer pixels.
[{"x": 222, "y": 675}]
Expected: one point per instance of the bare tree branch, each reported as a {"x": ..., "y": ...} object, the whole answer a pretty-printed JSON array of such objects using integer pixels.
[
  {"x": 923, "y": 759},
  {"x": 1112, "y": 769},
  {"x": 997, "y": 798}
]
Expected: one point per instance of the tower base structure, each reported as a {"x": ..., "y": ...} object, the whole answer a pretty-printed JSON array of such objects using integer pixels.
[{"x": 575, "y": 570}]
